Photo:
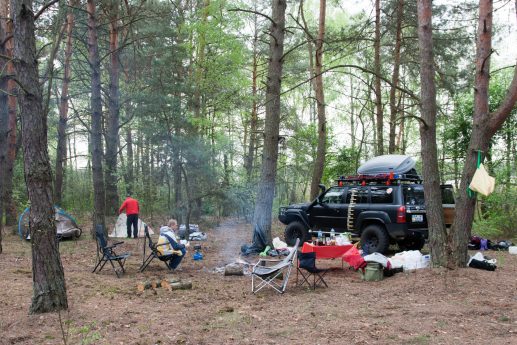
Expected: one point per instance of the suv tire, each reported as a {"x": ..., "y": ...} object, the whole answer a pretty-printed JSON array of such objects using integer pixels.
[
  {"x": 376, "y": 238},
  {"x": 293, "y": 231}
]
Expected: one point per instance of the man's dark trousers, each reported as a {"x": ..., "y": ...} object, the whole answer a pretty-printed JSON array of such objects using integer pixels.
[{"x": 132, "y": 219}]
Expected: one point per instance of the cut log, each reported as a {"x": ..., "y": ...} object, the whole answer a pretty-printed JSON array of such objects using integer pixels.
[
  {"x": 181, "y": 286},
  {"x": 233, "y": 270},
  {"x": 169, "y": 284}
]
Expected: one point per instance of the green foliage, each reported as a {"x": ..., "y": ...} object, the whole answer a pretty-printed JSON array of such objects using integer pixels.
[
  {"x": 499, "y": 212},
  {"x": 344, "y": 162}
]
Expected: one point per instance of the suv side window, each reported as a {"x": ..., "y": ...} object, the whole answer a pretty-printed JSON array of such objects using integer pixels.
[
  {"x": 381, "y": 195},
  {"x": 361, "y": 195},
  {"x": 414, "y": 195},
  {"x": 333, "y": 196}
]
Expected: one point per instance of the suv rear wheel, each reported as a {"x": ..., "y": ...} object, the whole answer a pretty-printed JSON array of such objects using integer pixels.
[
  {"x": 375, "y": 238},
  {"x": 295, "y": 230}
]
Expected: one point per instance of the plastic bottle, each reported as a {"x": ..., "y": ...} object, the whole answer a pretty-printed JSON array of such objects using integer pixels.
[
  {"x": 320, "y": 237},
  {"x": 332, "y": 234}
]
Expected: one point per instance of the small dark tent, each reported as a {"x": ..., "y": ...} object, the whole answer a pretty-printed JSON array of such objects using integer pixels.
[{"x": 66, "y": 224}]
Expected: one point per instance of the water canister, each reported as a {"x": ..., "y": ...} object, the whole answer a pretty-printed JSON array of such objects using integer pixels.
[
  {"x": 197, "y": 256},
  {"x": 373, "y": 272},
  {"x": 512, "y": 250}
]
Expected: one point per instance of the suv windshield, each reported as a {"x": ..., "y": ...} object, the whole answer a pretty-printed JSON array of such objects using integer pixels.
[{"x": 414, "y": 195}]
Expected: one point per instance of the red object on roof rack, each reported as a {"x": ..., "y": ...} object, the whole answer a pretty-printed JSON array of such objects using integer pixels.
[{"x": 384, "y": 178}]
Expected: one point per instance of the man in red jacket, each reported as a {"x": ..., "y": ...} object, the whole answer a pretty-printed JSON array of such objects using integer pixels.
[{"x": 132, "y": 210}]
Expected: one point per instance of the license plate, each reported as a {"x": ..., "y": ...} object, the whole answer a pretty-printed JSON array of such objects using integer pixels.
[{"x": 417, "y": 218}]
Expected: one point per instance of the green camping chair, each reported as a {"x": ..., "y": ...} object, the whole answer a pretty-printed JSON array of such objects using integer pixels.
[{"x": 107, "y": 253}]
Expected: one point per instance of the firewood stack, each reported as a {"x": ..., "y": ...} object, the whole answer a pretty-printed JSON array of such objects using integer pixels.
[{"x": 166, "y": 283}]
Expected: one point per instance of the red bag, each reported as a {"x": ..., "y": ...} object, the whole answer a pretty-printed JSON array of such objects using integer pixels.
[{"x": 354, "y": 258}]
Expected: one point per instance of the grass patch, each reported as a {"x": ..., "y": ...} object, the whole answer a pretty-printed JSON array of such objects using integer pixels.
[
  {"x": 504, "y": 318},
  {"x": 423, "y": 339}
]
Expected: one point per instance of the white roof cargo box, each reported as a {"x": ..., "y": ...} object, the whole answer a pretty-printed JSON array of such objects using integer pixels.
[{"x": 398, "y": 164}]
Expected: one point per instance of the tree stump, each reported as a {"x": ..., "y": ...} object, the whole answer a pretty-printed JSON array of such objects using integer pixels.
[{"x": 233, "y": 270}]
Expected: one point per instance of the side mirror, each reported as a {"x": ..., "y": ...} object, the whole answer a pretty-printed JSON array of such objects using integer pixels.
[{"x": 323, "y": 188}]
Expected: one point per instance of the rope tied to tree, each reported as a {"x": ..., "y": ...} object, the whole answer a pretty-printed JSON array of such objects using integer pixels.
[{"x": 471, "y": 194}]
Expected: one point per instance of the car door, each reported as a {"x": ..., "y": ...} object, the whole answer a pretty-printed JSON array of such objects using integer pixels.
[{"x": 329, "y": 211}]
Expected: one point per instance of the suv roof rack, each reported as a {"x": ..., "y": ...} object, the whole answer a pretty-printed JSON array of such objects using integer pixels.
[{"x": 388, "y": 179}]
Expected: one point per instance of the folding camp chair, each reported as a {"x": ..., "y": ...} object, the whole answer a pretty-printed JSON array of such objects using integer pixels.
[
  {"x": 307, "y": 263},
  {"x": 107, "y": 253},
  {"x": 154, "y": 254},
  {"x": 267, "y": 276}
]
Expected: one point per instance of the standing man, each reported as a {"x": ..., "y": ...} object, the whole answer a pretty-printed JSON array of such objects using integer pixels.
[{"x": 132, "y": 210}]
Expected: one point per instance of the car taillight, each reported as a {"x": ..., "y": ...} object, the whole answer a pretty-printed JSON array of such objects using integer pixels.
[{"x": 401, "y": 214}]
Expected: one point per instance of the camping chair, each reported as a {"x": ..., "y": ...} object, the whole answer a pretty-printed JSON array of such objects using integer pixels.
[
  {"x": 267, "y": 276},
  {"x": 307, "y": 263},
  {"x": 107, "y": 253},
  {"x": 154, "y": 254}
]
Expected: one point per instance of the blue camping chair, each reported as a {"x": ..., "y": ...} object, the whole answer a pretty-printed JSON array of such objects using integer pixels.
[{"x": 107, "y": 253}]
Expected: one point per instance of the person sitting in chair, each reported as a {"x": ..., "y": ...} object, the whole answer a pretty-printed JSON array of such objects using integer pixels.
[{"x": 168, "y": 244}]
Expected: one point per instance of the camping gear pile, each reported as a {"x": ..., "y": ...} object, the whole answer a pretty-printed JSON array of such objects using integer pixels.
[
  {"x": 482, "y": 262},
  {"x": 479, "y": 243},
  {"x": 66, "y": 225},
  {"x": 194, "y": 233}
]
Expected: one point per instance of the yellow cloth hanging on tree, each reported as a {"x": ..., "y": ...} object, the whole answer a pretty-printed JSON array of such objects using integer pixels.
[{"x": 482, "y": 182}]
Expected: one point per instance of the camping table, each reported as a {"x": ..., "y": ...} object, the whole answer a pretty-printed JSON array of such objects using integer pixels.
[{"x": 326, "y": 252}]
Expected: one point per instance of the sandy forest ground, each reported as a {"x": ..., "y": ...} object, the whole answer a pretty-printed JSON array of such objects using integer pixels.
[{"x": 467, "y": 306}]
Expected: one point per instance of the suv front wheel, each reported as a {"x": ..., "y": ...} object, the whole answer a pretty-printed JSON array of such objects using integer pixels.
[
  {"x": 295, "y": 230},
  {"x": 375, "y": 238}
]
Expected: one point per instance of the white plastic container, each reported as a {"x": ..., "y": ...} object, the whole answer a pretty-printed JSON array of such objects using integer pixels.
[{"x": 512, "y": 250}]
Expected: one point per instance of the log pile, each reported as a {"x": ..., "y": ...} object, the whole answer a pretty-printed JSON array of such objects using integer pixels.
[{"x": 166, "y": 283}]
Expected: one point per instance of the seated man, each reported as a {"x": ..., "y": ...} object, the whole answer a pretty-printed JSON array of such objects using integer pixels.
[{"x": 168, "y": 244}]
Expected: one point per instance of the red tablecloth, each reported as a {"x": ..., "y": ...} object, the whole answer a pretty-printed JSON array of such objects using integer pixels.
[{"x": 326, "y": 252}]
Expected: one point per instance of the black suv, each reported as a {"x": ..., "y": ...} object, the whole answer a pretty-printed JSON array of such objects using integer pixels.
[{"x": 381, "y": 210}]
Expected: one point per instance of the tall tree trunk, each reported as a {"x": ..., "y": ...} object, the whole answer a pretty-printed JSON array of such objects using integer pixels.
[
  {"x": 395, "y": 77},
  {"x": 266, "y": 186},
  {"x": 112, "y": 123},
  {"x": 96, "y": 130},
  {"x": 484, "y": 126},
  {"x": 319, "y": 162},
  {"x": 433, "y": 199},
  {"x": 310, "y": 42},
  {"x": 199, "y": 69},
  {"x": 377, "y": 68},
  {"x": 129, "y": 167},
  {"x": 63, "y": 108},
  {"x": 12, "y": 146},
  {"x": 4, "y": 112},
  {"x": 250, "y": 157},
  {"x": 49, "y": 292}
]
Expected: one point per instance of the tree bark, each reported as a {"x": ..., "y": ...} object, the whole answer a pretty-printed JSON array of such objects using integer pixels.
[
  {"x": 250, "y": 157},
  {"x": 395, "y": 77},
  {"x": 377, "y": 68},
  {"x": 319, "y": 162},
  {"x": 4, "y": 112},
  {"x": 266, "y": 186},
  {"x": 11, "y": 216},
  {"x": 63, "y": 109},
  {"x": 433, "y": 199},
  {"x": 112, "y": 123},
  {"x": 129, "y": 166},
  {"x": 49, "y": 292},
  {"x": 484, "y": 126},
  {"x": 96, "y": 130}
]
